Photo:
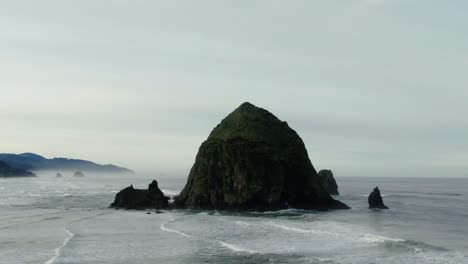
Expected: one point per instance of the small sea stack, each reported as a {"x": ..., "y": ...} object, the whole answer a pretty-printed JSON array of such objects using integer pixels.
[
  {"x": 254, "y": 161},
  {"x": 58, "y": 175},
  {"x": 375, "y": 200},
  {"x": 131, "y": 198},
  {"x": 78, "y": 174},
  {"x": 328, "y": 182}
]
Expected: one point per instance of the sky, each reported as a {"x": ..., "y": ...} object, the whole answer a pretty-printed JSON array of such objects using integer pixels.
[{"x": 374, "y": 87}]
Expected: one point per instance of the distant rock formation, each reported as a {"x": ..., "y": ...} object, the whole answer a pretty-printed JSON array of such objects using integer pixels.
[
  {"x": 328, "y": 182},
  {"x": 375, "y": 200},
  {"x": 254, "y": 161},
  {"x": 78, "y": 174},
  {"x": 31, "y": 161},
  {"x": 131, "y": 198},
  {"x": 8, "y": 171},
  {"x": 58, "y": 175}
]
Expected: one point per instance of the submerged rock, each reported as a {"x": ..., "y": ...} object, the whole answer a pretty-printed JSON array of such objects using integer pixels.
[
  {"x": 328, "y": 182},
  {"x": 78, "y": 174},
  {"x": 375, "y": 200},
  {"x": 131, "y": 198},
  {"x": 8, "y": 171},
  {"x": 254, "y": 161}
]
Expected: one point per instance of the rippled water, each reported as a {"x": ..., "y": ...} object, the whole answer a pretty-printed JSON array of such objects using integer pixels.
[{"x": 66, "y": 220}]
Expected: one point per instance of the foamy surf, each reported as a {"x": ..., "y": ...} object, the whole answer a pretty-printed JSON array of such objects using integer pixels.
[
  {"x": 379, "y": 239},
  {"x": 235, "y": 248},
  {"x": 166, "y": 229},
  {"x": 300, "y": 230},
  {"x": 242, "y": 223},
  {"x": 344, "y": 233},
  {"x": 58, "y": 250},
  {"x": 170, "y": 192}
]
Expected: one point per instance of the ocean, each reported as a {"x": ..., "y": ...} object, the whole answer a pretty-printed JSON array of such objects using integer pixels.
[{"x": 67, "y": 220}]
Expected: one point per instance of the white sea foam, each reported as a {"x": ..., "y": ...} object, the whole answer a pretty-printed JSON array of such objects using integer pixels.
[
  {"x": 242, "y": 223},
  {"x": 342, "y": 233},
  {"x": 59, "y": 249},
  {"x": 166, "y": 229},
  {"x": 236, "y": 248},
  {"x": 170, "y": 192},
  {"x": 378, "y": 239},
  {"x": 300, "y": 230}
]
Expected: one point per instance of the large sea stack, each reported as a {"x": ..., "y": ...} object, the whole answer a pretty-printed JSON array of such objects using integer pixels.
[
  {"x": 8, "y": 171},
  {"x": 375, "y": 200},
  {"x": 131, "y": 198},
  {"x": 254, "y": 161},
  {"x": 328, "y": 182}
]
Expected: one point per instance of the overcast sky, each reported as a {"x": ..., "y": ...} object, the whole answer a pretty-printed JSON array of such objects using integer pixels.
[{"x": 374, "y": 87}]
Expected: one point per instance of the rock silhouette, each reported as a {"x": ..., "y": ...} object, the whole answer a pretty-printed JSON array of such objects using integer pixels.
[
  {"x": 32, "y": 161},
  {"x": 78, "y": 174},
  {"x": 254, "y": 161},
  {"x": 58, "y": 175},
  {"x": 131, "y": 198},
  {"x": 328, "y": 182},
  {"x": 8, "y": 171},
  {"x": 375, "y": 200}
]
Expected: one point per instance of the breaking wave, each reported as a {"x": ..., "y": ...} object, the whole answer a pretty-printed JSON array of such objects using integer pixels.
[
  {"x": 236, "y": 248},
  {"x": 58, "y": 250}
]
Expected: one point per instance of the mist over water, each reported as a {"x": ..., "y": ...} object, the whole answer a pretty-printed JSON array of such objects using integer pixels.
[{"x": 67, "y": 220}]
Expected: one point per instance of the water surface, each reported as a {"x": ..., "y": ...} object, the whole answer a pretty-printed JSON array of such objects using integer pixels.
[{"x": 66, "y": 220}]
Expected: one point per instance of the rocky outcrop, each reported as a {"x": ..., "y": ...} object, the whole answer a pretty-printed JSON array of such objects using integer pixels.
[
  {"x": 375, "y": 200},
  {"x": 32, "y": 161},
  {"x": 58, "y": 175},
  {"x": 78, "y": 174},
  {"x": 254, "y": 161},
  {"x": 328, "y": 182},
  {"x": 131, "y": 198},
  {"x": 8, "y": 171}
]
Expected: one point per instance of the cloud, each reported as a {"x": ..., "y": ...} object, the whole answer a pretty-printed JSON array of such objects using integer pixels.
[{"x": 367, "y": 84}]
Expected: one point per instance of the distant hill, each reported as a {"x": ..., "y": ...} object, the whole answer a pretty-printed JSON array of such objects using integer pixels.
[
  {"x": 31, "y": 161},
  {"x": 8, "y": 171}
]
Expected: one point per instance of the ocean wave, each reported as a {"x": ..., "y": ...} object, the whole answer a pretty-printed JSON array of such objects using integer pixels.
[
  {"x": 290, "y": 213},
  {"x": 341, "y": 232},
  {"x": 170, "y": 192},
  {"x": 58, "y": 250},
  {"x": 417, "y": 194},
  {"x": 411, "y": 246},
  {"x": 236, "y": 248},
  {"x": 166, "y": 229},
  {"x": 300, "y": 230},
  {"x": 378, "y": 239},
  {"x": 242, "y": 223}
]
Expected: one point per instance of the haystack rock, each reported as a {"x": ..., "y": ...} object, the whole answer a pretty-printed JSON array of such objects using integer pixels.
[
  {"x": 131, "y": 198},
  {"x": 8, "y": 171},
  {"x": 254, "y": 161},
  {"x": 375, "y": 200},
  {"x": 328, "y": 182}
]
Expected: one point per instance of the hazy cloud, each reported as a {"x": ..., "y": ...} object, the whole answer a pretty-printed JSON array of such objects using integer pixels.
[{"x": 374, "y": 87}]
